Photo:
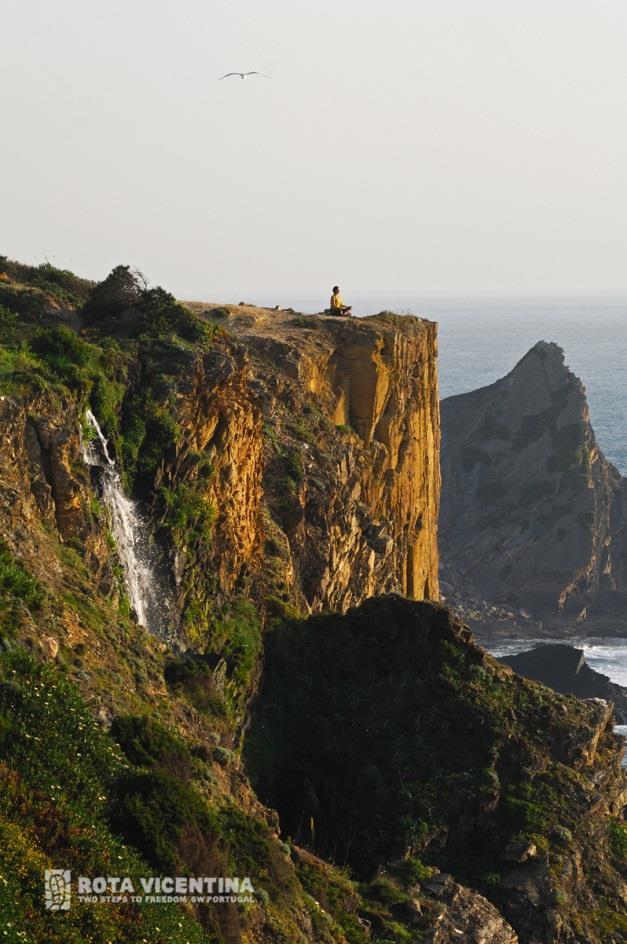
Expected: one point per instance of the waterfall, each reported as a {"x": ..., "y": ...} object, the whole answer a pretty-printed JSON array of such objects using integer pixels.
[{"x": 132, "y": 536}]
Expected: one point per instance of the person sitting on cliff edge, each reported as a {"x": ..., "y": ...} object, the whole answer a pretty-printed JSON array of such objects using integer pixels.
[{"x": 337, "y": 305}]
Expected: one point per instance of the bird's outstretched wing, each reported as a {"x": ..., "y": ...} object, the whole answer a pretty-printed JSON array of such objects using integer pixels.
[
  {"x": 262, "y": 74},
  {"x": 227, "y": 75}
]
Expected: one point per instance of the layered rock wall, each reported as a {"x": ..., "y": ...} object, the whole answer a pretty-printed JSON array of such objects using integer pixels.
[{"x": 326, "y": 441}]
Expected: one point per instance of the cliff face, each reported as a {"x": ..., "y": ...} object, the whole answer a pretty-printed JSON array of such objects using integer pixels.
[
  {"x": 533, "y": 515},
  {"x": 342, "y": 487},
  {"x": 45, "y": 495}
]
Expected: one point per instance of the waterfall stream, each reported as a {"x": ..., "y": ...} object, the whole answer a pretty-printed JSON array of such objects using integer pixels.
[{"x": 132, "y": 536}]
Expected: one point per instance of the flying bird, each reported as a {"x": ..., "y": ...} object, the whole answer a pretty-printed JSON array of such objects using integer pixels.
[{"x": 243, "y": 75}]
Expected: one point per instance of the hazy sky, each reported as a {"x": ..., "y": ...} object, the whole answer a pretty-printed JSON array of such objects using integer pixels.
[{"x": 455, "y": 145}]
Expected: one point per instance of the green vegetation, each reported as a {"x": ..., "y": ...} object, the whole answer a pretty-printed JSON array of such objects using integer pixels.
[
  {"x": 293, "y": 467},
  {"x": 60, "y": 285},
  {"x": 56, "y": 767},
  {"x": 123, "y": 302},
  {"x": 145, "y": 741},
  {"x": 618, "y": 841},
  {"x": 192, "y": 677},
  {"x": 18, "y": 590},
  {"x": 383, "y": 730},
  {"x": 236, "y": 636},
  {"x": 383, "y": 738},
  {"x": 72, "y": 797},
  {"x": 189, "y": 516},
  {"x": 16, "y": 582},
  {"x": 115, "y": 296}
]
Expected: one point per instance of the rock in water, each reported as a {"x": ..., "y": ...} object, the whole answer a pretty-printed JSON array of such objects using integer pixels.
[
  {"x": 564, "y": 669},
  {"x": 533, "y": 515}
]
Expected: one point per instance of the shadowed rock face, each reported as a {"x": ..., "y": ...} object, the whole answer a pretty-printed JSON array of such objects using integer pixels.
[
  {"x": 564, "y": 669},
  {"x": 386, "y": 733},
  {"x": 533, "y": 515}
]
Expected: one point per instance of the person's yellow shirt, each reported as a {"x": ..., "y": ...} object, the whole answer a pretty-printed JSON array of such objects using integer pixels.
[{"x": 336, "y": 301}]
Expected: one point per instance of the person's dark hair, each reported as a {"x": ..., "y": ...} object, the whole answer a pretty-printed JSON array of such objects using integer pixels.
[{"x": 336, "y": 288}]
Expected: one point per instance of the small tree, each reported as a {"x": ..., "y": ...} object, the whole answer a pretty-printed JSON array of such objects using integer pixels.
[{"x": 122, "y": 289}]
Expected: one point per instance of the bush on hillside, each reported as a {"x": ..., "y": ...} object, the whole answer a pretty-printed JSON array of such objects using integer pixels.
[
  {"x": 113, "y": 297},
  {"x": 60, "y": 284}
]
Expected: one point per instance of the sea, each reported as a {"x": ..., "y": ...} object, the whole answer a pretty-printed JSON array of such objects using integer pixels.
[{"x": 482, "y": 337}]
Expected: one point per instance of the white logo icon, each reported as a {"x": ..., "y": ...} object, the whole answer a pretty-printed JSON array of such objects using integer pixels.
[{"x": 58, "y": 889}]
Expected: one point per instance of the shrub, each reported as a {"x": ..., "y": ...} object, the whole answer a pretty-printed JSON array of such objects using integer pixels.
[
  {"x": 192, "y": 676},
  {"x": 147, "y": 743},
  {"x": 157, "y": 813},
  {"x": 150, "y": 433},
  {"x": 65, "y": 354},
  {"x": 293, "y": 466},
  {"x": 412, "y": 871},
  {"x": 163, "y": 315},
  {"x": 28, "y": 303},
  {"x": 237, "y": 636},
  {"x": 15, "y": 581},
  {"x": 112, "y": 298},
  {"x": 189, "y": 516},
  {"x": 385, "y": 890}
]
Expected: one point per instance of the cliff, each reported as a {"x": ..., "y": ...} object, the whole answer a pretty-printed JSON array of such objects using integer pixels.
[
  {"x": 273, "y": 473},
  {"x": 533, "y": 515},
  {"x": 346, "y": 459},
  {"x": 260, "y": 466}
]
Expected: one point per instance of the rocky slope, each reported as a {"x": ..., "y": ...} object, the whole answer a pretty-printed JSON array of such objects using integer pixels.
[
  {"x": 533, "y": 515},
  {"x": 564, "y": 669},
  {"x": 286, "y": 465},
  {"x": 385, "y": 736}
]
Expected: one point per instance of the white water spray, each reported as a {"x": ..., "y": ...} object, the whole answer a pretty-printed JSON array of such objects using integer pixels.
[{"x": 132, "y": 537}]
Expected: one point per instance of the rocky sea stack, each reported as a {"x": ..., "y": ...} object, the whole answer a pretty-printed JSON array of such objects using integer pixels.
[{"x": 533, "y": 515}]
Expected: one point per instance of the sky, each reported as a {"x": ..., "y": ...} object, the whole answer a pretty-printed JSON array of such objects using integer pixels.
[{"x": 425, "y": 145}]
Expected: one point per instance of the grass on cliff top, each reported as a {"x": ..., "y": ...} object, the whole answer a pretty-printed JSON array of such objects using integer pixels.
[
  {"x": 61, "y": 285},
  {"x": 135, "y": 347},
  {"x": 121, "y": 307}
]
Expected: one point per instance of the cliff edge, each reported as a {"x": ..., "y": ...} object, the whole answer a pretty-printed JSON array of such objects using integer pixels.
[{"x": 349, "y": 464}]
